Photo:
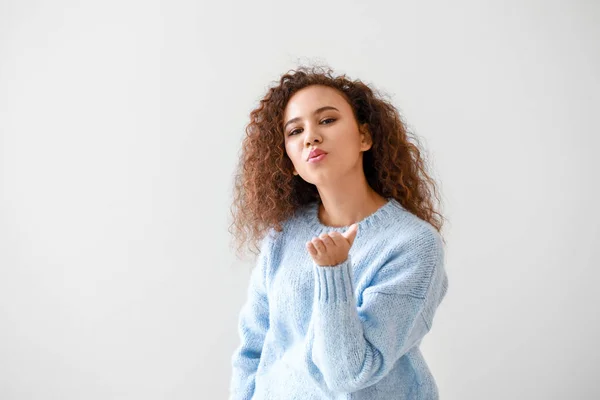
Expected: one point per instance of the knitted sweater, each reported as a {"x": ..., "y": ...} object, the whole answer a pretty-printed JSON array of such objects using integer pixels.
[{"x": 349, "y": 331}]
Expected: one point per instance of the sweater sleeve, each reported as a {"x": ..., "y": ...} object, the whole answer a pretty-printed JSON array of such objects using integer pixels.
[
  {"x": 253, "y": 324},
  {"x": 355, "y": 346}
]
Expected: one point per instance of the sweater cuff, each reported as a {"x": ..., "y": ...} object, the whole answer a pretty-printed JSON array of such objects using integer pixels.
[{"x": 334, "y": 283}]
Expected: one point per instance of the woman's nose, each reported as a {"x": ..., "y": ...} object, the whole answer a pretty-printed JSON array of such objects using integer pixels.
[{"x": 312, "y": 137}]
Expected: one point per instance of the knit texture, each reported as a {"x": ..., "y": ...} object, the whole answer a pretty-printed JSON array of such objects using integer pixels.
[{"x": 349, "y": 331}]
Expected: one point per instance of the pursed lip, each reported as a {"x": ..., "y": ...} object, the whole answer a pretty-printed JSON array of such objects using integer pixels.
[{"x": 315, "y": 153}]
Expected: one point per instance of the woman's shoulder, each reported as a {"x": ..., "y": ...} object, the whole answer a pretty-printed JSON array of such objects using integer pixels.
[{"x": 406, "y": 232}]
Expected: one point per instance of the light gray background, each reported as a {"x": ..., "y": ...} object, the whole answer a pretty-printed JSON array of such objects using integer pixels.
[{"x": 120, "y": 125}]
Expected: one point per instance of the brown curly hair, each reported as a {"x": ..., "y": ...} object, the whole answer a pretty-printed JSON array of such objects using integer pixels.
[{"x": 266, "y": 192}]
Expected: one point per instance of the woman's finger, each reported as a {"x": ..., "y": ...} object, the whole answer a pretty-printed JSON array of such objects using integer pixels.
[
  {"x": 318, "y": 245},
  {"x": 328, "y": 241},
  {"x": 337, "y": 238},
  {"x": 311, "y": 248}
]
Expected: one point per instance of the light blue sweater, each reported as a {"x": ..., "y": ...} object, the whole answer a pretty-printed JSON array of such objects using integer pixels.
[{"x": 349, "y": 331}]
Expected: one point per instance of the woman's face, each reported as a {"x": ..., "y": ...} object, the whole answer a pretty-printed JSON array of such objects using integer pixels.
[{"x": 320, "y": 117}]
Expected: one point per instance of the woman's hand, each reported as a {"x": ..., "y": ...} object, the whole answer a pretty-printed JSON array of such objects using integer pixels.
[{"x": 332, "y": 248}]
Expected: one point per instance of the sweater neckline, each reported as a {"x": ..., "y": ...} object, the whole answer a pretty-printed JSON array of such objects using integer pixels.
[{"x": 377, "y": 218}]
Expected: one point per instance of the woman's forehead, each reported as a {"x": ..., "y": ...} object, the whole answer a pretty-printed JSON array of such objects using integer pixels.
[{"x": 308, "y": 99}]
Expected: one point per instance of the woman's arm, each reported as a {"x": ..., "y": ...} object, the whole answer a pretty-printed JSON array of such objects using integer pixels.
[
  {"x": 253, "y": 325},
  {"x": 355, "y": 347}
]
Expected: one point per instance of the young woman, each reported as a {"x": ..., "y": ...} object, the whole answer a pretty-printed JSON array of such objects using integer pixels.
[{"x": 350, "y": 267}]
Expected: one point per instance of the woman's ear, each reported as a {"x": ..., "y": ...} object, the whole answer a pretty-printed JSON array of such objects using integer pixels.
[{"x": 366, "y": 140}]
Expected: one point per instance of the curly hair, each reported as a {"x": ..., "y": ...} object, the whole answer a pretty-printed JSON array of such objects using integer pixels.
[{"x": 266, "y": 192}]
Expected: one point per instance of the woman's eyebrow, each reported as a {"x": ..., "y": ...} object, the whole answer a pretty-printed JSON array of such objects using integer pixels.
[{"x": 318, "y": 110}]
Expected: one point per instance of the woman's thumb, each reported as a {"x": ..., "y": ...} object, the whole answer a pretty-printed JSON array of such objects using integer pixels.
[{"x": 350, "y": 234}]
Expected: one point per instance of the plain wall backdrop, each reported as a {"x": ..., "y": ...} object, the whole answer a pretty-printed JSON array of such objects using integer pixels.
[{"x": 120, "y": 128}]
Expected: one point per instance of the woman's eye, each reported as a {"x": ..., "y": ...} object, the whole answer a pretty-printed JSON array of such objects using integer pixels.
[{"x": 327, "y": 119}]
